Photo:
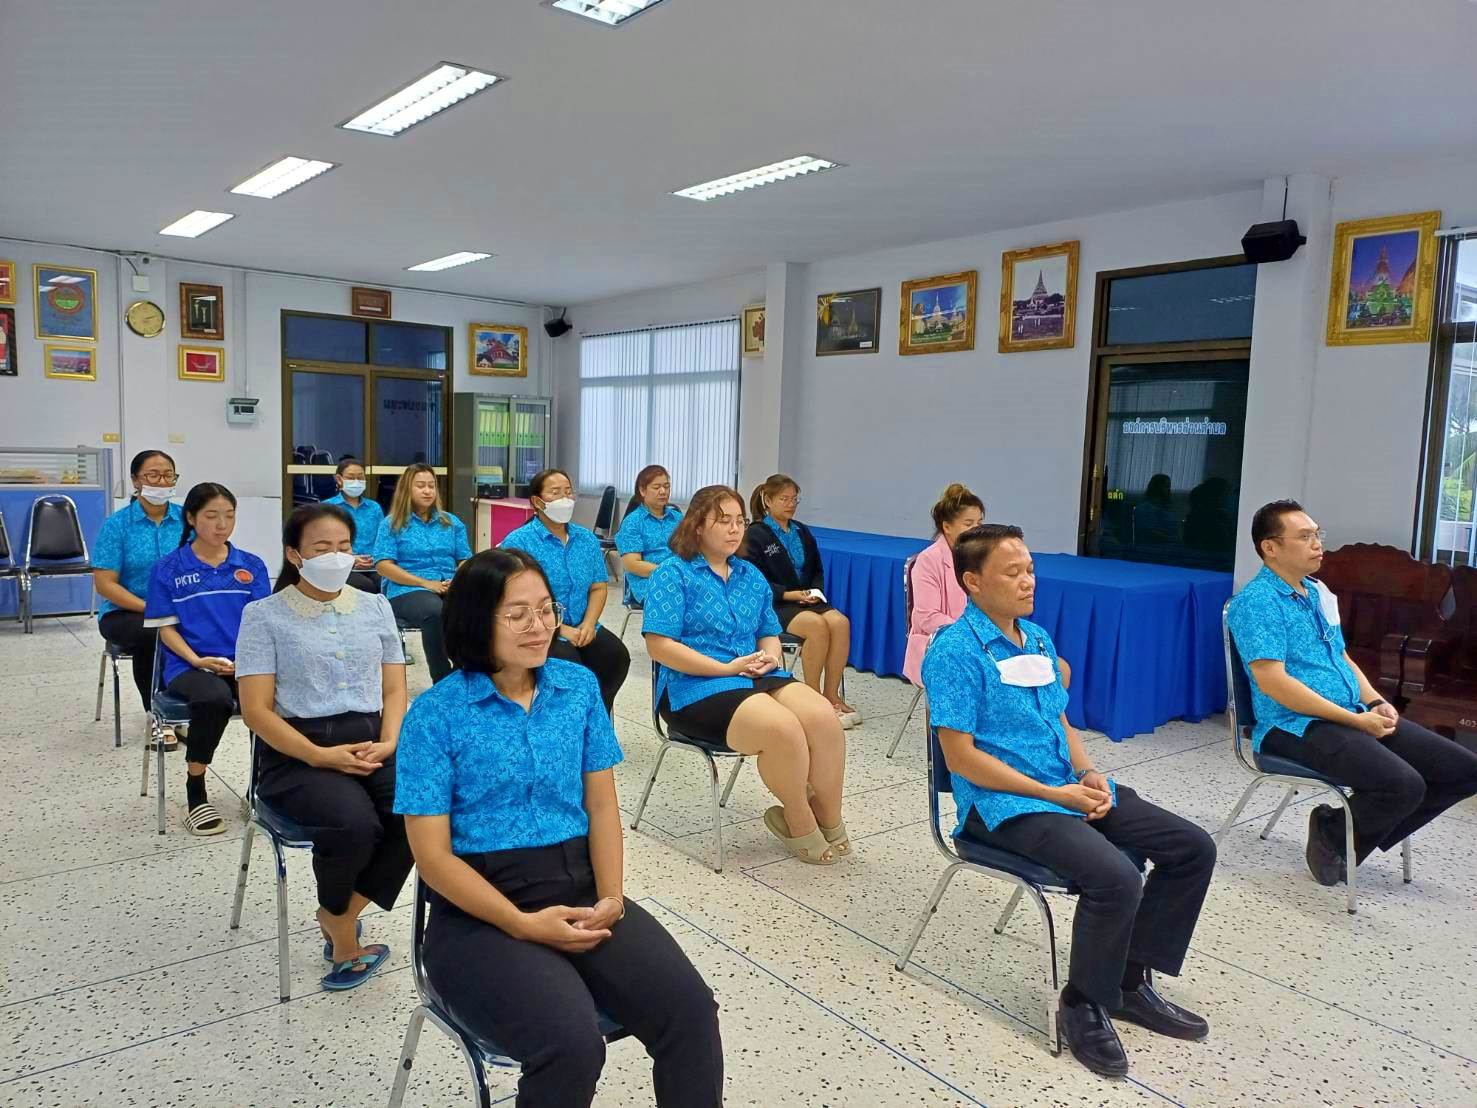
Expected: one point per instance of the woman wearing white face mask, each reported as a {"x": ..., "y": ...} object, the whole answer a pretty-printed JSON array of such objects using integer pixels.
[
  {"x": 351, "y": 478},
  {"x": 572, "y": 560},
  {"x": 322, "y": 685}
]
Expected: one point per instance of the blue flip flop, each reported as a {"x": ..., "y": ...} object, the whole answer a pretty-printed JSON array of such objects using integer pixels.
[
  {"x": 344, "y": 975},
  {"x": 328, "y": 943}
]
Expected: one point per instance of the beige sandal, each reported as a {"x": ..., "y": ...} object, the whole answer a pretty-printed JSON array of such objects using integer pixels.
[
  {"x": 838, "y": 838},
  {"x": 811, "y": 849}
]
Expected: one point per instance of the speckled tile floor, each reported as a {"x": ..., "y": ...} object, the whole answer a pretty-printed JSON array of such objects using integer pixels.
[{"x": 122, "y": 984}]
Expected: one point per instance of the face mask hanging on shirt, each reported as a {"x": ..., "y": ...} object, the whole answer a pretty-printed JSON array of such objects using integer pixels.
[
  {"x": 328, "y": 572},
  {"x": 1328, "y": 603},
  {"x": 354, "y": 489},
  {"x": 154, "y": 494},
  {"x": 1026, "y": 671},
  {"x": 560, "y": 511}
]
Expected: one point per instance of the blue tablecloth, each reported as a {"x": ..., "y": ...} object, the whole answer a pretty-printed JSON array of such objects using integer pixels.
[{"x": 1144, "y": 641}]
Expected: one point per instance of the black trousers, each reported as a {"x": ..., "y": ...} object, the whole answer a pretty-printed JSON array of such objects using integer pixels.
[
  {"x": 604, "y": 655},
  {"x": 1398, "y": 784},
  {"x": 212, "y": 700},
  {"x": 422, "y": 609},
  {"x": 359, "y": 843},
  {"x": 1120, "y": 917},
  {"x": 365, "y": 580},
  {"x": 127, "y": 630},
  {"x": 539, "y": 1005}
]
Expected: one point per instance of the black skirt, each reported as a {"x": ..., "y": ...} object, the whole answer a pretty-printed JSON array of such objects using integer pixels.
[
  {"x": 708, "y": 719},
  {"x": 787, "y": 610}
]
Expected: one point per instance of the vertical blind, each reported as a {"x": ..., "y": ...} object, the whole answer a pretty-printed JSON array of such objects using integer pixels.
[{"x": 667, "y": 395}]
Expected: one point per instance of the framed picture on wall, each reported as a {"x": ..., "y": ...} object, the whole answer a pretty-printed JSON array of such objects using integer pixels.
[
  {"x": 1384, "y": 280},
  {"x": 71, "y": 363},
  {"x": 65, "y": 300},
  {"x": 754, "y": 331},
  {"x": 937, "y": 314},
  {"x": 202, "y": 363},
  {"x": 847, "y": 322},
  {"x": 1038, "y": 298},
  {"x": 498, "y": 350},
  {"x": 374, "y": 303},
  {"x": 202, "y": 311},
  {"x": 8, "y": 351},
  {"x": 7, "y": 282}
]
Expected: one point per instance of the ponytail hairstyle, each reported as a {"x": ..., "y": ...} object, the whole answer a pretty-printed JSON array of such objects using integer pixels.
[
  {"x": 139, "y": 460},
  {"x": 400, "y": 506},
  {"x": 954, "y": 500},
  {"x": 706, "y": 506},
  {"x": 644, "y": 478},
  {"x": 199, "y": 496},
  {"x": 292, "y": 536},
  {"x": 775, "y": 485}
]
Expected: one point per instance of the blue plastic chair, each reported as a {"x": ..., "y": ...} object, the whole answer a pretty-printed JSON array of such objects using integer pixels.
[
  {"x": 282, "y": 833},
  {"x": 1283, "y": 771},
  {"x": 1031, "y": 879},
  {"x": 478, "y": 1053}
]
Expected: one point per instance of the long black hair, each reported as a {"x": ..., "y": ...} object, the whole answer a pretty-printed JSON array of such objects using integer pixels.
[
  {"x": 199, "y": 496},
  {"x": 138, "y": 464},
  {"x": 292, "y": 536},
  {"x": 474, "y": 595}
]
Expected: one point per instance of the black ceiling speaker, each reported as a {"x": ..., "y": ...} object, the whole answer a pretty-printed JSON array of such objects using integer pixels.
[
  {"x": 1272, "y": 242},
  {"x": 556, "y": 327}
]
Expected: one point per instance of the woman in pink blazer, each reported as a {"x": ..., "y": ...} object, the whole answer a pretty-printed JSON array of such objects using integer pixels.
[{"x": 937, "y": 598}]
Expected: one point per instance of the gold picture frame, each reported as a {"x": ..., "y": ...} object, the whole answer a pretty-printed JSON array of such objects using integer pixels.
[
  {"x": 68, "y": 310},
  {"x": 497, "y": 350},
  {"x": 201, "y": 363},
  {"x": 1382, "y": 285},
  {"x": 202, "y": 312},
  {"x": 7, "y": 282},
  {"x": 1047, "y": 318},
  {"x": 753, "y": 327},
  {"x": 65, "y": 368},
  {"x": 937, "y": 314}
]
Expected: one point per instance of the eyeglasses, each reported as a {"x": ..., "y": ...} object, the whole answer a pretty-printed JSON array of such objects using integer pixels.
[
  {"x": 787, "y": 501},
  {"x": 159, "y": 480},
  {"x": 1307, "y": 537},
  {"x": 731, "y": 522},
  {"x": 524, "y": 617}
]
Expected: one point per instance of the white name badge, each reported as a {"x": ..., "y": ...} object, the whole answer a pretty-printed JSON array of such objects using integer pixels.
[
  {"x": 1328, "y": 603},
  {"x": 1026, "y": 671}
]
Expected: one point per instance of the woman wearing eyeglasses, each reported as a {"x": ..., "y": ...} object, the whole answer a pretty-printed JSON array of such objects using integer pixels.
[
  {"x": 128, "y": 544},
  {"x": 506, "y": 783},
  {"x": 785, "y": 552}
]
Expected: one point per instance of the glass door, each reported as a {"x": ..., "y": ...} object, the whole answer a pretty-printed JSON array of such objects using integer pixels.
[
  {"x": 328, "y": 420},
  {"x": 530, "y": 441}
]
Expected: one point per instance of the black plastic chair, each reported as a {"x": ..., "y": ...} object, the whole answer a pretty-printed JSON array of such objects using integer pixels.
[
  {"x": 908, "y": 625},
  {"x": 604, "y": 528},
  {"x": 55, "y": 547}
]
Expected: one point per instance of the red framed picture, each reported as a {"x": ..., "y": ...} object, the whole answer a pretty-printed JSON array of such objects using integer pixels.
[{"x": 202, "y": 363}]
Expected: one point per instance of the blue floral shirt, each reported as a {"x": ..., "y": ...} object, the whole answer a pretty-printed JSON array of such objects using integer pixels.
[
  {"x": 719, "y": 619},
  {"x": 129, "y": 543},
  {"x": 1019, "y": 726},
  {"x": 508, "y": 778},
  {"x": 1271, "y": 621},
  {"x": 790, "y": 540},
  {"x": 572, "y": 567},
  {"x": 428, "y": 550},
  {"x": 367, "y": 519},
  {"x": 644, "y": 534}
]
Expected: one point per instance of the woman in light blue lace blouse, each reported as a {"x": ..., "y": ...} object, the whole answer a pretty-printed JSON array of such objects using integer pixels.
[{"x": 322, "y": 683}]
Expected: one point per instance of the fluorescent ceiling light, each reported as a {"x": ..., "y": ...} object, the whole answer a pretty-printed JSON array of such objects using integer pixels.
[
  {"x": 196, "y": 224},
  {"x": 753, "y": 178},
  {"x": 609, "y": 12},
  {"x": 280, "y": 176},
  {"x": 451, "y": 261},
  {"x": 438, "y": 90}
]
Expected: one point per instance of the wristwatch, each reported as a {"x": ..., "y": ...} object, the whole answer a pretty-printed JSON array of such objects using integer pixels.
[{"x": 1373, "y": 704}]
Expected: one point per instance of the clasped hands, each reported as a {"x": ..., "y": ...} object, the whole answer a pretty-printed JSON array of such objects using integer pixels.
[
  {"x": 756, "y": 664},
  {"x": 1091, "y": 796}
]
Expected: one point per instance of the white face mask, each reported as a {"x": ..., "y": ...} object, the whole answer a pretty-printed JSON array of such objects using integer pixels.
[
  {"x": 328, "y": 572},
  {"x": 1027, "y": 671},
  {"x": 354, "y": 489},
  {"x": 560, "y": 511},
  {"x": 154, "y": 494}
]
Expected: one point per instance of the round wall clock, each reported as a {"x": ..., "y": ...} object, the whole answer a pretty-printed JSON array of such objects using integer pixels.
[{"x": 145, "y": 318}]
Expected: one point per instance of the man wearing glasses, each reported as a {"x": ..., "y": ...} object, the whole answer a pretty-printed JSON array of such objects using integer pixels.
[{"x": 1314, "y": 706}]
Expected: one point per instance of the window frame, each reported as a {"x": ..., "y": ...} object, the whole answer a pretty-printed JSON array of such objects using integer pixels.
[{"x": 1444, "y": 338}]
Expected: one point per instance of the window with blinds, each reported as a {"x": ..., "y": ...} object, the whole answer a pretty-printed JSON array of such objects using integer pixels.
[{"x": 667, "y": 396}]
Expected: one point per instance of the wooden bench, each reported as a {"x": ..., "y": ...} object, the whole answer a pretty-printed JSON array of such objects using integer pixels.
[{"x": 1445, "y": 696}]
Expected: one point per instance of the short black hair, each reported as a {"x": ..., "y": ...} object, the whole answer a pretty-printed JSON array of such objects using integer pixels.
[
  {"x": 1267, "y": 523},
  {"x": 973, "y": 548},
  {"x": 346, "y": 461},
  {"x": 474, "y": 595}
]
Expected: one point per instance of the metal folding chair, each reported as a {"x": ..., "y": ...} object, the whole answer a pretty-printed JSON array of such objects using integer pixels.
[
  {"x": 632, "y": 606},
  {"x": 908, "y": 626},
  {"x": 112, "y": 652},
  {"x": 673, "y": 740},
  {"x": 478, "y": 1053},
  {"x": 1281, "y": 771}
]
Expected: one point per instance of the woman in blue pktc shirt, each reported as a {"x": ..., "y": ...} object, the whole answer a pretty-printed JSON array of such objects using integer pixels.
[
  {"x": 710, "y": 624},
  {"x": 128, "y": 544},
  {"x": 352, "y": 479},
  {"x": 417, "y": 551},
  {"x": 574, "y": 564},
  {"x": 645, "y": 535},
  {"x": 505, "y": 780}
]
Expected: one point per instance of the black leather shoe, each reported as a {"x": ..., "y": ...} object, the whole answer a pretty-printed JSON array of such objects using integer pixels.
[
  {"x": 1090, "y": 1037},
  {"x": 1147, "y": 1008},
  {"x": 1325, "y": 860}
]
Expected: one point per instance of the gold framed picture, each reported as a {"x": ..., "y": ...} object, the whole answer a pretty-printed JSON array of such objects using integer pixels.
[
  {"x": 754, "y": 331},
  {"x": 202, "y": 312},
  {"x": 65, "y": 300},
  {"x": 937, "y": 314},
  {"x": 202, "y": 363},
  {"x": 1383, "y": 282},
  {"x": 498, "y": 350},
  {"x": 7, "y": 282},
  {"x": 70, "y": 363},
  {"x": 1045, "y": 318}
]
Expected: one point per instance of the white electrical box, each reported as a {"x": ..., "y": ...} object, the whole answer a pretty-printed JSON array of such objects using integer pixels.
[{"x": 241, "y": 410}]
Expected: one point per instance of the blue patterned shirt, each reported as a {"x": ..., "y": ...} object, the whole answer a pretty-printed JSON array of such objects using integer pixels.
[
  {"x": 572, "y": 567},
  {"x": 1019, "y": 726},
  {"x": 367, "y": 519},
  {"x": 790, "y": 540},
  {"x": 129, "y": 543},
  {"x": 644, "y": 534},
  {"x": 1270, "y": 621},
  {"x": 508, "y": 778},
  {"x": 428, "y": 550},
  {"x": 719, "y": 619},
  {"x": 203, "y": 602}
]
